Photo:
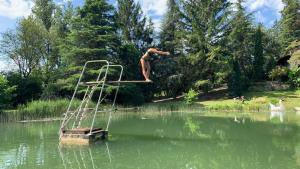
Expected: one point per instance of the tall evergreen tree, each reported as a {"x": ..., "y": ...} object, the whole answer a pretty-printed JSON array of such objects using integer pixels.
[
  {"x": 133, "y": 24},
  {"x": 170, "y": 28},
  {"x": 258, "y": 63},
  {"x": 92, "y": 35},
  {"x": 205, "y": 33},
  {"x": 43, "y": 10},
  {"x": 290, "y": 22},
  {"x": 240, "y": 48}
]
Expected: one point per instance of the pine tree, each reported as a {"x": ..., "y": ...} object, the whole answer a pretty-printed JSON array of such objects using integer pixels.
[
  {"x": 290, "y": 22},
  {"x": 92, "y": 35},
  {"x": 170, "y": 28},
  {"x": 43, "y": 10},
  {"x": 133, "y": 24},
  {"x": 258, "y": 63},
  {"x": 206, "y": 25},
  {"x": 240, "y": 48}
]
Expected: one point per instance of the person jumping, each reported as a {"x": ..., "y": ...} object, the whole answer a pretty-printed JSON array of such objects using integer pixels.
[{"x": 145, "y": 61}]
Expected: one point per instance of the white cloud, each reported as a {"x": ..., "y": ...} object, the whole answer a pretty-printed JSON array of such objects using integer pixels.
[
  {"x": 155, "y": 9},
  {"x": 276, "y": 5},
  {"x": 15, "y": 8}
]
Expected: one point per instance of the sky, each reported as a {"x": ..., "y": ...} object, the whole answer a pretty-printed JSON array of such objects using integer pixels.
[{"x": 264, "y": 11}]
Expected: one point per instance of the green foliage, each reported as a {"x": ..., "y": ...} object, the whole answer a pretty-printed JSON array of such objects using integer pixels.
[
  {"x": 130, "y": 95},
  {"x": 171, "y": 26},
  {"x": 294, "y": 77},
  {"x": 190, "y": 97},
  {"x": 44, "y": 9},
  {"x": 5, "y": 92},
  {"x": 203, "y": 85},
  {"x": 237, "y": 83},
  {"x": 204, "y": 37},
  {"x": 44, "y": 108},
  {"x": 290, "y": 22},
  {"x": 133, "y": 24},
  {"x": 92, "y": 35},
  {"x": 294, "y": 50},
  {"x": 279, "y": 73},
  {"x": 175, "y": 85},
  {"x": 25, "y": 46},
  {"x": 26, "y": 89},
  {"x": 258, "y": 69}
]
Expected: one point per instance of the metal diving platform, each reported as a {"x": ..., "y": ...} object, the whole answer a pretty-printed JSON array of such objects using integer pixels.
[{"x": 78, "y": 125}]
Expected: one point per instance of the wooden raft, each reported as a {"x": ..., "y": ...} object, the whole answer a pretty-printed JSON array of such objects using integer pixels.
[{"x": 82, "y": 135}]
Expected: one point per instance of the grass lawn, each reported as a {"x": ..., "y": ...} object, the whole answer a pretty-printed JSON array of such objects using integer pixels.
[{"x": 255, "y": 101}]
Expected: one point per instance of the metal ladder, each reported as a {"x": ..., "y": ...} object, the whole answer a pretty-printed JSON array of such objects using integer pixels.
[{"x": 73, "y": 118}]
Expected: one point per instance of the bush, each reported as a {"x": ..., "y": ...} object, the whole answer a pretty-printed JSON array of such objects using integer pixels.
[
  {"x": 26, "y": 89},
  {"x": 203, "y": 85},
  {"x": 6, "y": 92},
  {"x": 279, "y": 73},
  {"x": 294, "y": 77},
  {"x": 190, "y": 97},
  {"x": 174, "y": 85},
  {"x": 130, "y": 95}
]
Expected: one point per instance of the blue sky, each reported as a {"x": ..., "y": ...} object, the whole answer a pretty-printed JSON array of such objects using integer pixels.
[{"x": 265, "y": 11}]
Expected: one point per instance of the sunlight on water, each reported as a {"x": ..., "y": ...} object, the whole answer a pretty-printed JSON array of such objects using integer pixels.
[{"x": 156, "y": 142}]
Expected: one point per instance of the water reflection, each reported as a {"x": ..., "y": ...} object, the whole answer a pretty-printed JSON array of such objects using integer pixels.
[{"x": 82, "y": 156}]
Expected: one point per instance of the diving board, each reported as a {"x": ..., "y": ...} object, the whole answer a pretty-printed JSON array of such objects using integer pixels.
[
  {"x": 78, "y": 123},
  {"x": 114, "y": 82}
]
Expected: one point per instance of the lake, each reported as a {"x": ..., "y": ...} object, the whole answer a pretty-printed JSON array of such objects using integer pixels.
[{"x": 161, "y": 141}]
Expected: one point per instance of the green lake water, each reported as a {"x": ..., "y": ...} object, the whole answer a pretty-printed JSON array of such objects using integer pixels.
[{"x": 172, "y": 141}]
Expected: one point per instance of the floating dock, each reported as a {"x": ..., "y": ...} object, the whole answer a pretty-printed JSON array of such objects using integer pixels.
[{"x": 82, "y": 135}]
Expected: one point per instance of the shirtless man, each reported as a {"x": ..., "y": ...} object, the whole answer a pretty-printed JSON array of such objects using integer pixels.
[{"x": 145, "y": 61}]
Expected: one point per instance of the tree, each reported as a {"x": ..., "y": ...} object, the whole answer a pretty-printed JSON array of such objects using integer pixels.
[
  {"x": 290, "y": 22},
  {"x": 206, "y": 25},
  {"x": 5, "y": 92},
  {"x": 240, "y": 45},
  {"x": 171, "y": 25},
  {"x": 43, "y": 10},
  {"x": 92, "y": 35},
  {"x": 25, "y": 46},
  {"x": 258, "y": 63},
  {"x": 132, "y": 24}
]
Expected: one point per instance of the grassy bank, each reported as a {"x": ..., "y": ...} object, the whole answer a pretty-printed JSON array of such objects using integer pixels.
[
  {"x": 254, "y": 102},
  {"x": 37, "y": 110}
]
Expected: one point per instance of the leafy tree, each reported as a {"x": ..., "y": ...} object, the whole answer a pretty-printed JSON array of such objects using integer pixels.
[
  {"x": 290, "y": 22},
  {"x": 5, "y": 92},
  {"x": 258, "y": 63},
  {"x": 25, "y": 46}
]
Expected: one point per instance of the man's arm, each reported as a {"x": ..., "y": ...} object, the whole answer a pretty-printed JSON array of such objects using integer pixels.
[{"x": 160, "y": 52}]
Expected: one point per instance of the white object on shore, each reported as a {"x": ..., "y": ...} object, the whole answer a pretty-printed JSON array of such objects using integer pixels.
[{"x": 277, "y": 111}]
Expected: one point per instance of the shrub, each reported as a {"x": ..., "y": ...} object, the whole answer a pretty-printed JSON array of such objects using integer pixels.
[
  {"x": 279, "y": 73},
  {"x": 5, "y": 92},
  {"x": 190, "y": 97},
  {"x": 203, "y": 85},
  {"x": 294, "y": 77}
]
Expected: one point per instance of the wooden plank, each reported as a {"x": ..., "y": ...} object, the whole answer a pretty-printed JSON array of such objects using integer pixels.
[
  {"x": 114, "y": 82},
  {"x": 80, "y": 130}
]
